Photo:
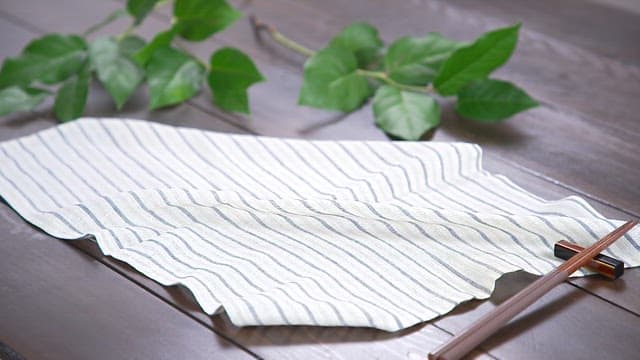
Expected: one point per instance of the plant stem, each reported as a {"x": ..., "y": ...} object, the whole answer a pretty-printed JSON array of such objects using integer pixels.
[
  {"x": 106, "y": 21},
  {"x": 181, "y": 46},
  {"x": 279, "y": 37},
  {"x": 285, "y": 41},
  {"x": 127, "y": 32},
  {"x": 134, "y": 26},
  {"x": 382, "y": 76},
  {"x": 297, "y": 47}
]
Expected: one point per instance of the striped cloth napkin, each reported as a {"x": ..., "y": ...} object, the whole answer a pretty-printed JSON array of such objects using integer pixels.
[{"x": 278, "y": 232}]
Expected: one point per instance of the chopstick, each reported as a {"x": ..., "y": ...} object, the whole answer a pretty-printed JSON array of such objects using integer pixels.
[{"x": 467, "y": 340}]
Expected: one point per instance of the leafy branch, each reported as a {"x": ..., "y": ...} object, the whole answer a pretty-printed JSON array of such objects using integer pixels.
[
  {"x": 405, "y": 78},
  {"x": 65, "y": 65}
]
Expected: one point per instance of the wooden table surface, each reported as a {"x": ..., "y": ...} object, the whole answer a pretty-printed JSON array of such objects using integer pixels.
[{"x": 64, "y": 300}]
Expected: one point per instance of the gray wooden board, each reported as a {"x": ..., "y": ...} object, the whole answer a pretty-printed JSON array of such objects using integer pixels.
[
  {"x": 58, "y": 303},
  {"x": 573, "y": 21},
  {"x": 293, "y": 342},
  {"x": 564, "y": 324},
  {"x": 542, "y": 141},
  {"x": 583, "y": 93}
]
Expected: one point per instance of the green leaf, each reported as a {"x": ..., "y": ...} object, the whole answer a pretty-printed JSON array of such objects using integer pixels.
[
  {"x": 232, "y": 73},
  {"x": 72, "y": 96},
  {"x": 199, "y": 19},
  {"x": 416, "y": 61},
  {"x": 174, "y": 77},
  {"x": 119, "y": 74},
  {"x": 405, "y": 114},
  {"x": 50, "y": 59},
  {"x": 477, "y": 60},
  {"x": 139, "y": 9},
  {"x": 14, "y": 99},
  {"x": 131, "y": 45},
  {"x": 492, "y": 100},
  {"x": 362, "y": 40},
  {"x": 162, "y": 39},
  {"x": 331, "y": 81}
]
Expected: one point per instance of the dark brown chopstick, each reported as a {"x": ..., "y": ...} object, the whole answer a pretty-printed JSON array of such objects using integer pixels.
[{"x": 475, "y": 334}]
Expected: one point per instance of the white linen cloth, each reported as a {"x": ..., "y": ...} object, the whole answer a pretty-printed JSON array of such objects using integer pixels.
[{"x": 275, "y": 232}]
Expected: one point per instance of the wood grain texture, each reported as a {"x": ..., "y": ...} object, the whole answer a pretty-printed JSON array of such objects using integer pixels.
[
  {"x": 570, "y": 139},
  {"x": 294, "y": 342},
  {"x": 347, "y": 343},
  {"x": 572, "y": 21},
  {"x": 583, "y": 93},
  {"x": 624, "y": 291},
  {"x": 58, "y": 303},
  {"x": 558, "y": 318}
]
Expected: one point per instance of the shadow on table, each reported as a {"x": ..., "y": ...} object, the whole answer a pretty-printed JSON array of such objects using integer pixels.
[
  {"x": 465, "y": 313},
  {"x": 421, "y": 336},
  {"x": 504, "y": 133}
]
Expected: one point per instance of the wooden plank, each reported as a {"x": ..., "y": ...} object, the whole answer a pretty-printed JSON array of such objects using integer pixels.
[
  {"x": 340, "y": 129},
  {"x": 358, "y": 130},
  {"x": 58, "y": 303},
  {"x": 48, "y": 286},
  {"x": 262, "y": 340},
  {"x": 572, "y": 21},
  {"x": 41, "y": 308},
  {"x": 326, "y": 23},
  {"x": 273, "y": 115},
  {"x": 14, "y": 36},
  {"x": 558, "y": 317},
  {"x": 272, "y": 342},
  {"x": 564, "y": 324},
  {"x": 268, "y": 342},
  {"x": 358, "y": 126},
  {"x": 557, "y": 60},
  {"x": 627, "y": 5},
  {"x": 311, "y": 342},
  {"x": 568, "y": 139},
  {"x": 543, "y": 139},
  {"x": 624, "y": 292},
  {"x": 100, "y": 104},
  {"x": 280, "y": 342},
  {"x": 295, "y": 342}
]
